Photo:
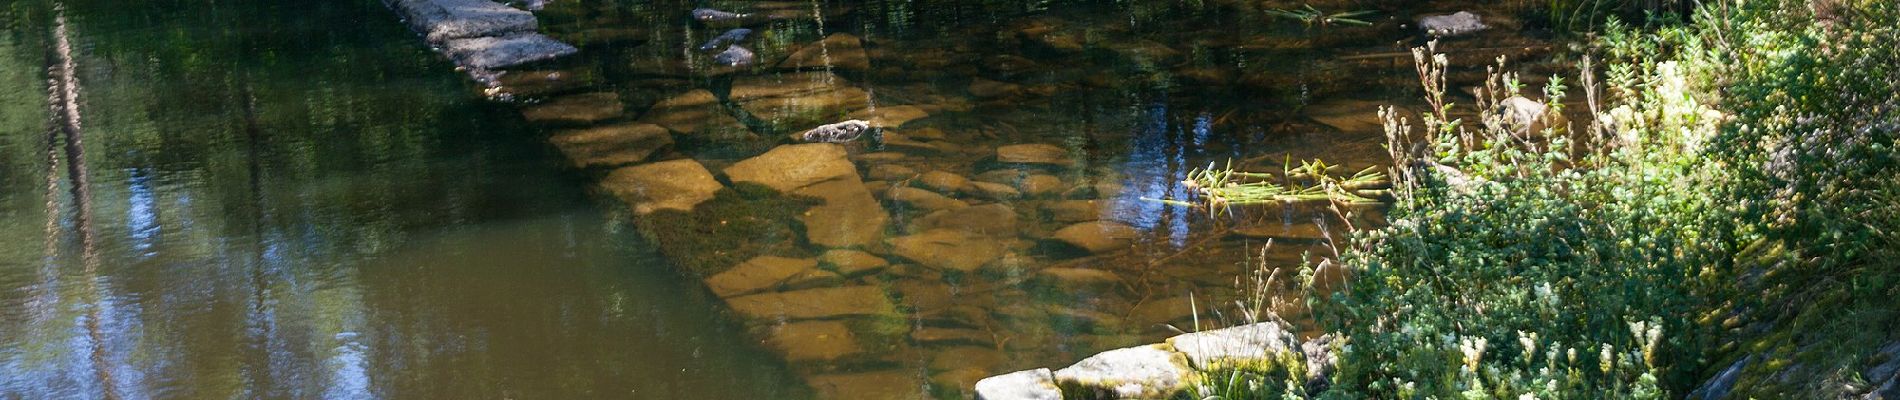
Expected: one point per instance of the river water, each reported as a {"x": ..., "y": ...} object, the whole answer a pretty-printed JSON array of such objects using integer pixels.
[{"x": 300, "y": 200}]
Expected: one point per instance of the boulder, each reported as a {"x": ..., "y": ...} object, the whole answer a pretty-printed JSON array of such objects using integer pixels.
[
  {"x": 1035, "y": 384},
  {"x": 1098, "y": 236},
  {"x": 788, "y": 168},
  {"x": 676, "y": 185},
  {"x": 758, "y": 274},
  {"x": 1034, "y": 154},
  {"x": 852, "y": 263},
  {"x": 579, "y": 109},
  {"x": 490, "y": 52},
  {"x": 441, "y": 20},
  {"x": 948, "y": 249},
  {"x": 840, "y": 50},
  {"x": 814, "y": 341},
  {"x": 1146, "y": 372},
  {"x": 1454, "y": 24},
  {"x": 1243, "y": 345},
  {"x": 612, "y": 145},
  {"x": 822, "y": 303}
]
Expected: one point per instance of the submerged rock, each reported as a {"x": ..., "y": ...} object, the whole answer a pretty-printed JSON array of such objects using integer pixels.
[
  {"x": 990, "y": 219},
  {"x": 579, "y": 109},
  {"x": 948, "y": 249},
  {"x": 1035, "y": 384},
  {"x": 840, "y": 50},
  {"x": 852, "y": 263},
  {"x": 441, "y": 20},
  {"x": 713, "y": 16},
  {"x": 731, "y": 37},
  {"x": 923, "y": 199},
  {"x": 1455, "y": 24},
  {"x": 820, "y": 303},
  {"x": 790, "y": 167},
  {"x": 505, "y": 51},
  {"x": 735, "y": 56},
  {"x": 795, "y": 101},
  {"x": 894, "y": 116},
  {"x": 695, "y": 113},
  {"x": 879, "y": 385},
  {"x": 985, "y": 88},
  {"x": 1098, "y": 236},
  {"x": 758, "y": 274},
  {"x": 1042, "y": 154},
  {"x": 676, "y": 185},
  {"x": 943, "y": 182},
  {"x": 848, "y": 217},
  {"x": 612, "y": 145},
  {"x": 814, "y": 341},
  {"x": 1146, "y": 372}
]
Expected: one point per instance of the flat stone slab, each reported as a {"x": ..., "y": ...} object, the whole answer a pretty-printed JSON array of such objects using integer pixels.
[
  {"x": 695, "y": 113},
  {"x": 1035, "y": 384},
  {"x": 676, "y": 185},
  {"x": 1246, "y": 343},
  {"x": 794, "y": 102},
  {"x": 853, "y": 263},
  {"x": 612, "y": 145},
  {"x": 849, "y": 217},
  {"x": 497, "y": 52},
  {"x": 440, "y": 20},
  {"x": 840, "y": 50},
  {"x": 820, "y": 303},
  {"x": 1146, "y": 372}
]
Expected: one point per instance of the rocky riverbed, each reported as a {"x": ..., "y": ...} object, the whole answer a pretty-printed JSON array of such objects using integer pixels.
[{"x": 1001, "y": 213}]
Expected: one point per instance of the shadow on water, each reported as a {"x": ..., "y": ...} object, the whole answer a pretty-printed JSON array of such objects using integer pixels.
[{"x": 293, "y": 200}]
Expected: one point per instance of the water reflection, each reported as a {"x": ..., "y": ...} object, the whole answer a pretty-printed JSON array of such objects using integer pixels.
[{"x": 265, "y": 206}]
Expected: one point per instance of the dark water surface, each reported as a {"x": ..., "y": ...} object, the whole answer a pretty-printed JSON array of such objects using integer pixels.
[
  {"x": 297, "y": 200},
  {"x": 300, "y": 200}
]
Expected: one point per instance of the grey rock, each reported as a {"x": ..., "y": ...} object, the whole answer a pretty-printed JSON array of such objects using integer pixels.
[
  {"x": 1246, "y": 343},
  {"x": 1520, "y": 114},
  {"x": 840, "y": 132},
  {"x": 1035, "y": 384},
  {"x": 441, "y": 20},
  {"x": 709, "y": 15},
  {"x": 1454, "y": 24},
  {"x": 1719, "y": 386},
  {"x": 491, "y": 52},
  {"x": 1145, "y": 372},
  {"x": 735, "y": 56}
]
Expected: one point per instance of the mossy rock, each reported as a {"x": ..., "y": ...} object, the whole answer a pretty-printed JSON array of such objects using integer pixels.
[{"x": 739, "y": 223}]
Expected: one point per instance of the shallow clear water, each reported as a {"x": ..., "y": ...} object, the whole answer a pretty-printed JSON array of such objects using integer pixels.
[{"x": 300, "y": 200}]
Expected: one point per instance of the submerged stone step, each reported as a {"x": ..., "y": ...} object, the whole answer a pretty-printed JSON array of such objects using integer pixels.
[
  {"x": 821, "y": 303},
  {"x": 441, "y": 20}
]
